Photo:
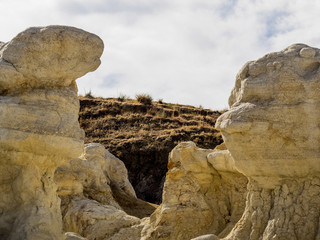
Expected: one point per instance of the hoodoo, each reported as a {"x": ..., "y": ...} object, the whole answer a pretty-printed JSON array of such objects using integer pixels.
[
  {"x": 272, "y": 130},
  {"x": 39, "y": 128},
  {"x": 262, "y": 183}
]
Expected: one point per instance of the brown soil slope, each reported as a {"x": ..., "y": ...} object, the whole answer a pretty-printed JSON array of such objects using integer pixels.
[{"x": 143, "y": 135}]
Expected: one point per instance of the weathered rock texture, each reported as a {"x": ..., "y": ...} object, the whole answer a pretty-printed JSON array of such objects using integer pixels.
[
  {"x": 97, "y": 197},
  {"x": 273, "y": 133},
  {"x": 203, "y": 193},
  {"x": 39, "y": 127}
]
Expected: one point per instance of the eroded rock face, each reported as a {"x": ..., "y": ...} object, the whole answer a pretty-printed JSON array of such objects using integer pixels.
[
  {"x": 97, "y": 199},
  {"x": 48, "y": 57},
  {"x": 39, "y": 127},
  {"x": 273, "y": 133},
  {"x": 86, "y": 176},
  {"x": 203, "y": 193},
  {"x": 96, "y": 221}
]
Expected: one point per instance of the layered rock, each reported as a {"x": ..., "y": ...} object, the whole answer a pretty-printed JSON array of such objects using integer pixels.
[
  {"x": 272, "y": 130},
  {"x": 39, "y": 127},
  {"x": 203, "y": 193},
  {"x": 97, "y": 197}
]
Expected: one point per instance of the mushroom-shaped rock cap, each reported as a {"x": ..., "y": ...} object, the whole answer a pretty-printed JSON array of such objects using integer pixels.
[
  {"x": 273, "y": 126},
  {"x": 47, "y": 57}
]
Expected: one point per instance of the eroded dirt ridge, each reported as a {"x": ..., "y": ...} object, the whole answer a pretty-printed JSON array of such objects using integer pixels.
[{"x": 142, "y": 136}]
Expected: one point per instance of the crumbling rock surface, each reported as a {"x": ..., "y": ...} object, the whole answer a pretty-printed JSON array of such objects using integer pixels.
[
  {"x": 273, "y": 133},
  {"x": 203, "y": 193},
  {"x": 97, "y": 197},
  {"x": 96, "y": 221},
  {"x": 39, "y": 127},
  {"x": 48, "y": 57},
  {"x": 92, "y": 176}
]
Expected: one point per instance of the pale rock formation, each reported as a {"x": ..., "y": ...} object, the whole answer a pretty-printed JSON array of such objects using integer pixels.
[
  {"x": 273, "y": 133},
  {"x": 86, "y": 177},
  {"x": 89, "y": 176},
  {"x": 201, "y": 195},
  {"x": 96, "y": 221},
  {"x": 92, "y": 189},
  {"x": 73, "y": 236},
  {"x": 118, "y": 175},
  {"x": 263, "y": 183},
  {"x": 207, "y": 237},
  {"x": 48, "y": 57},
  {"x": 39, "y": 127}
]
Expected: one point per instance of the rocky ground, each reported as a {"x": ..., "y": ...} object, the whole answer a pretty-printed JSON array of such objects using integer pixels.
[{"x": 143, "y": 135}]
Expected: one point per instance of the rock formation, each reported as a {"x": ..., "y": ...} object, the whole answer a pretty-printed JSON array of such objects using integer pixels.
[
  {"x": 272, "y": 131},
  {"x": 203, "y": 193},
  {"x": 39, "y": 127},
  {"x": 263, "y": 183},
  {"x": 97, "y": 198}
]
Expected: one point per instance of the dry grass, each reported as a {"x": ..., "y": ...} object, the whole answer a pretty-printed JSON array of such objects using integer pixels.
[
  {"x": 144, "y": 99},
  {"x": 142, "y": 135}
]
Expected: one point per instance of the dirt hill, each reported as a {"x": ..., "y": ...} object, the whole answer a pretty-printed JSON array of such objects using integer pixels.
[{"x": 142, "y": 135}]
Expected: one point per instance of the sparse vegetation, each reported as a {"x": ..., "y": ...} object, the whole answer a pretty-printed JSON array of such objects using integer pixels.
[
  {"x": 89, "y": 94},
  {"x": 144, "y": 99},
  {"x": 122, "y": 97},
  {"x": 160, "y": 101},
  {"x": 143, "y": 135},
  {"x": 169, "y": 105}
]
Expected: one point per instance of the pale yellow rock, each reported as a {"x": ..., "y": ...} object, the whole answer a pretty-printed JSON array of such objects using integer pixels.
[
  {"x": 96, "y": 221},
  {"x": 272, "y": 131},
  {"x": 307, "y": 52},
  {"x": 88, "y": 187},
  {"x": 197, "y": 198},
  {"x": 48, "y": 57},
  {"x": 73, "y": 236},
  {"x": 118, "y": 174},
  {"x": 39, "y": 129},
  {"x": 113, "y": 167},
  {"x": 275, "y": 113},
  {"x": 92, "y": 175},
  {"x": 207, "y": 237}
]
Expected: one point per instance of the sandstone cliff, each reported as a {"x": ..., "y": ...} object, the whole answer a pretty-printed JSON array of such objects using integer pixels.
[{"x": 39, "y": 127}]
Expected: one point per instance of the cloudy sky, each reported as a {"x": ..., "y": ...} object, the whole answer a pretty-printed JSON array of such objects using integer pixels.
[{"x": 181, "y": 51}]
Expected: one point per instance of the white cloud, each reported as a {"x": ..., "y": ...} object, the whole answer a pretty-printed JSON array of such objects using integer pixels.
[{"x": 184, "y": 51}]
